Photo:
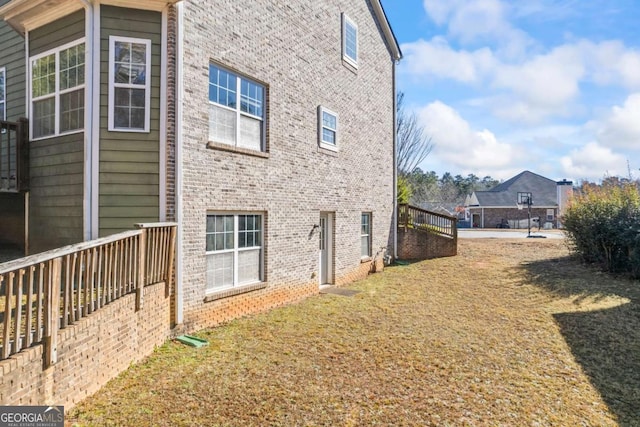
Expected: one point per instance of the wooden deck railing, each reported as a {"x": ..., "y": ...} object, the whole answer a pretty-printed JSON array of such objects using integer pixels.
[
  {"x": 14, "y": 156},
  {"x": 432, "y": 222},
  {"x": 42, "y": 293}
]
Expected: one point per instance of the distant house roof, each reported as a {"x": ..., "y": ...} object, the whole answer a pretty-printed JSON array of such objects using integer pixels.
[{"x": 543, "y": 191}]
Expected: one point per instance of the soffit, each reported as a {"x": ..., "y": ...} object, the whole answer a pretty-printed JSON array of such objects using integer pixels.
[{"x": 26, "y": 15}]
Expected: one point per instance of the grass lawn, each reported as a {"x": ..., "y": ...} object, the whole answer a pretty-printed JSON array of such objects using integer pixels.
[{"x": 509, "y": 332}]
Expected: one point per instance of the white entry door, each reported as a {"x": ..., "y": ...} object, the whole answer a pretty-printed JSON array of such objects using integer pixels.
[{"x": 325, "y": 262}]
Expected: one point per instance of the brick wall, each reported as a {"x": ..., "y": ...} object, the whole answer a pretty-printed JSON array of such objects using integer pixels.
[
  {"x": 294, "y": 50},
  {"x": 414, "y": 244},
  {"x": 90, "y": 353}
]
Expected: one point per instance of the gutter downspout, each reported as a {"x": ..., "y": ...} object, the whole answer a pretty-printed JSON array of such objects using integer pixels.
[
  {"x": 92, "y": 120},
  {"x": 395, "y": 163},
  {"x": 178, "y": 165},
  {"x": 27, "y": 109}
]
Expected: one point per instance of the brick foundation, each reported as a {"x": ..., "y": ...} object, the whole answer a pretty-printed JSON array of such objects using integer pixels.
[
  {"x": 90, "y": 353},
  {"x": 413, "y": 244}
]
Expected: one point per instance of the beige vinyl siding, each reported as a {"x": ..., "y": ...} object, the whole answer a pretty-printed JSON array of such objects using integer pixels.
[
  {"x": 57, "y": 164},
  {"x": 129, "y": 161}
]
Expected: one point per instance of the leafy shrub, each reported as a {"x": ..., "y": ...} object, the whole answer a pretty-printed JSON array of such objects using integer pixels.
[
  {"x": 603, "y": 225},
  {"x": 404, "y": 190}
]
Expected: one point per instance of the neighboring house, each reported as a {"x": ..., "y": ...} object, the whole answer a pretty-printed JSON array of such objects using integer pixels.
[
  {"x": 506, "y": 204},
  {"x": 264, "y": 129}
]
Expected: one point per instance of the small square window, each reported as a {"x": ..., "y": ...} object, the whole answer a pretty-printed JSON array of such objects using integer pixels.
[
  {"x": 550, "y": 214},
  {"x": 327, "y": 129},
  {"x": 349, "y": 41}
]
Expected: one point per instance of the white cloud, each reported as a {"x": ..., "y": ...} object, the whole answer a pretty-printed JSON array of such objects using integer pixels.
[
  {"x": 548, "y": 80},
  {"x": 473, "y": 21},
  {"x": 611, "y": 62},
  {"x": 435, "y": 58},
  {"x": 593, "y": 161},
  {"x": 621, "y": 128},
  {"x": 457, "y": 144}
]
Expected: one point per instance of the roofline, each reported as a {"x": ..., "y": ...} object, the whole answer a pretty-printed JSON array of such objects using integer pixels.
[
  {"x": 509, "y": 207},
  {"x": 25, "y": 15},
  {"x": 389, "y": 36}
]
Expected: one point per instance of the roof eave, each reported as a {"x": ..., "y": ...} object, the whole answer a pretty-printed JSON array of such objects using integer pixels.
[
  {"x": 390, "y": 38},
  {"x": 26, "y": 15}
]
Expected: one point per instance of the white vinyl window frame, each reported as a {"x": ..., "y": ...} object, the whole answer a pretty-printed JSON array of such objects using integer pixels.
[
  {"x": 3, "y": 93},
  {"x": 349, "y": 41},
  {"x": 328, "y": 137},
  {"x": 365, "y": 235},
  {"x": 113, "y": 85},
  {"x": 550, "y": 215},
  {"x": 236, "y": 108},
  {"x": 236, "y": 250},
  {"x": 57, "y": 92}
]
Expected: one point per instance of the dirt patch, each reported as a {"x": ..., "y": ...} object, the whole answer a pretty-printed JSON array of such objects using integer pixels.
[{"x": 506, "y": 333}]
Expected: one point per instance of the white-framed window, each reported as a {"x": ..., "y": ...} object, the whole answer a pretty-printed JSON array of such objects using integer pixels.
[
  {"x": 57, "y": 90},
  {"x": 236, "y": 110},
  {"x": 550, "y": 214},
  {"x": 327, "y": 129},
  {"x": 129, "y": 84},
  {"x": 234, "y": 250},
  {"x": 3, "y": 93},
  {"x": 365, "y": 235},
  {"x": 349, "y": 40}
]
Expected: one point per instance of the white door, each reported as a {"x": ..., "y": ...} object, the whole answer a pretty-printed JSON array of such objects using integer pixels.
[{"x": 325, "y": 265}]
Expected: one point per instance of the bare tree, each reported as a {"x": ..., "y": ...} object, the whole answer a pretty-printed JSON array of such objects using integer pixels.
[{"x": 413, "y": 145}]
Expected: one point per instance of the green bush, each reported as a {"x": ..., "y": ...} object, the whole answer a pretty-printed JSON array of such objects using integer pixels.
[
  {"x": 404, "y": 190},
  {"x": 603, "y": 225}
]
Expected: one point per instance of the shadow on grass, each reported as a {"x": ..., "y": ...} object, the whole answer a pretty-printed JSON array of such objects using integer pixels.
[{"x": 605, "y": 340}]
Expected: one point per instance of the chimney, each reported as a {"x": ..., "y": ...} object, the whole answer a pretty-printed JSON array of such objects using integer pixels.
[{"x": 565, "y": 191}]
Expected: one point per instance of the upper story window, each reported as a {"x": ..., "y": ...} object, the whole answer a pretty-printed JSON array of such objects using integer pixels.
[
  {"x": 237, "y": 110},
  {"x": 234, "y": 250},
  {"x": 57, "y": 90},
  {"x": 365, "y": 235},
  {"x": 3, "y": 94},
  {"x": 349, "y": 40},
  {"x": 129, "y": 84},
  {"x": 327, "y": 129}
]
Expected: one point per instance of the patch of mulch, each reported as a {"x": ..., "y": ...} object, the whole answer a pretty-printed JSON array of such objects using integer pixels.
[{"x": 509, "y": 332}]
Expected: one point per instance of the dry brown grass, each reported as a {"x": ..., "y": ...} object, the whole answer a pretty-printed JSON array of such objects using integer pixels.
[{"x": 509, "y": 332}]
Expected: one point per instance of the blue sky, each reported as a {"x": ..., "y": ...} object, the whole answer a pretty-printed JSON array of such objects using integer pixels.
[{"x": 502, "y": 86}]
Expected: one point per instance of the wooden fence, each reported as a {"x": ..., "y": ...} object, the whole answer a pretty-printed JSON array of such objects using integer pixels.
[
  {"x": 421, "y": 219},
  {"x": 43, "y": 293}
]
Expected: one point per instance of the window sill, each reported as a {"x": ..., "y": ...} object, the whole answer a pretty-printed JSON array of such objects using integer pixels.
[
  {"x": 58, "y": 135},
  {"x": 348, "y": 63},
  {"x": 333, "y": 151},
  {"x": 229, "y": 148},
  {"x": 365, "y": 259},
  {"x": 226, "y": 293}
]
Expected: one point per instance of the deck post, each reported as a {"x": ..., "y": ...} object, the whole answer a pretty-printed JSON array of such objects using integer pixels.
[
  {"x": 142, "y": 268},
  {"x": 52, "y": 314}
]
